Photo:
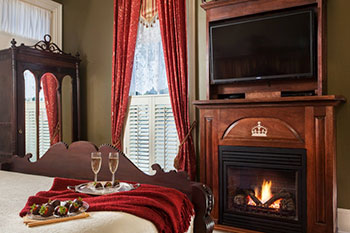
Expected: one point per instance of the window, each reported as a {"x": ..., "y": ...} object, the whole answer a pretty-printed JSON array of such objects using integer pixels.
[
  {"x": 29, "y": 20},
  {"x": 150, "y": 132}
]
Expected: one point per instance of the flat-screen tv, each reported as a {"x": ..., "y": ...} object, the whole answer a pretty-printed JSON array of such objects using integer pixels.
[{"x": 274, "y": 46}]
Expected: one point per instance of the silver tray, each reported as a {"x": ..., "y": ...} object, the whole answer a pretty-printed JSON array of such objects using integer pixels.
[
  {"x": 82, "y": 209},
  {"x": 89, "y": 188}
]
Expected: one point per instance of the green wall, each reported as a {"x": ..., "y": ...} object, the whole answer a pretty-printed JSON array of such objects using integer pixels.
[
  {"x": 339, "y": 83},
  {"x": 88, "y": 28}
]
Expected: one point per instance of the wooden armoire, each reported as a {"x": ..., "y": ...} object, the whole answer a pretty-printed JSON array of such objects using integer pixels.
[{"x": 44, "y": 57}]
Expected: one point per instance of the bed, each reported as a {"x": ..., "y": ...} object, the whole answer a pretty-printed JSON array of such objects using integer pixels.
[{"x": 21, "y": 178}]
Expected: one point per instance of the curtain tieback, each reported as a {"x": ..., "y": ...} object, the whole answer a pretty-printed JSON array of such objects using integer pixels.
[
  {"x": 117, "y": 143},
  {"x": 56, "y": 130},
  {"x": 176, "y": 161}
]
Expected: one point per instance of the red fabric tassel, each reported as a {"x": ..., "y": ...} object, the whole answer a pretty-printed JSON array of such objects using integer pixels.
[{"x": 169, "y": 209}]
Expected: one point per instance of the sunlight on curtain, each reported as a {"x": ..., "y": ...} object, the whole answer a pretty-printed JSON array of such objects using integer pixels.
[
  {"x": 22, "y": 19},
  {"x": 149, "y": 74}
]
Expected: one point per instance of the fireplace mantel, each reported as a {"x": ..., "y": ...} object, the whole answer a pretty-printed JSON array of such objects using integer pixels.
[{"x": 290, "y": 122}]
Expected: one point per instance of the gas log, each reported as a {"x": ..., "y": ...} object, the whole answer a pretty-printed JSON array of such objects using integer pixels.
[{"x": 286, "y": 205}]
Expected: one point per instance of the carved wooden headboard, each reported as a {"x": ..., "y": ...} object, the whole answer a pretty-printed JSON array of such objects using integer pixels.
[{"x": 74, "y": 162}]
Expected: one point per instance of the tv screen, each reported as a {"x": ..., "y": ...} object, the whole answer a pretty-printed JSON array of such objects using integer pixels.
[{"x": 279, "y": 45}]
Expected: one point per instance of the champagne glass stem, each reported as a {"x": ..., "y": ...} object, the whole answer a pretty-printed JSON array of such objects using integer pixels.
[
  {"x": 113, "y": 178},
  {"x": 95, "y": 177}
]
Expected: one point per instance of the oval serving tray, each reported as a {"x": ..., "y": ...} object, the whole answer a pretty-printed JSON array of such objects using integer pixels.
[
  {"x": 89, "y": 188},
  {"x": 82, "y": 209}
]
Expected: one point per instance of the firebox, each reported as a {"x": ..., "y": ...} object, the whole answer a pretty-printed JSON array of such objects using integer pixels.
[{"x": 263, "y": 189}]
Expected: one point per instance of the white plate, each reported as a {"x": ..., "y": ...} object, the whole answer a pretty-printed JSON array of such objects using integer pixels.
[{"x": 82, "y": 209}]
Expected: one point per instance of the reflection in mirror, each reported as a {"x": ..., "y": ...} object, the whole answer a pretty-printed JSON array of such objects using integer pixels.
[
  {"x": 67, "y": 117},
  {"x": 49, "y": 127},
  {"x": 30, "y": 114}
]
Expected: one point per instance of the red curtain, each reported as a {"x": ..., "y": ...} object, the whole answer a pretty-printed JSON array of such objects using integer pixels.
[
  {"x": 126, "y": 19},
  {"x": 172, "y": 19},
  {"x": 49, "y": 85}
]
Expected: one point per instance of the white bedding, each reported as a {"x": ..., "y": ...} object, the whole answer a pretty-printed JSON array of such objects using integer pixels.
[{"x": 15, "y": 188}]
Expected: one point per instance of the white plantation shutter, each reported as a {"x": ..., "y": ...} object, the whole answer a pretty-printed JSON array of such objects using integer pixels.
[
  {"x": 165, "y": 136},
  {"x": 30, "y": 127},
  {"x": 139, "y": 135},
  {"x": 44, "y": 133},
  {"x": 150, "y": 132}
]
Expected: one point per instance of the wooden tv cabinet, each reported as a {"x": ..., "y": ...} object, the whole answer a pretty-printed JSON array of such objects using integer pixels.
[{"x": 221, "y": 10}]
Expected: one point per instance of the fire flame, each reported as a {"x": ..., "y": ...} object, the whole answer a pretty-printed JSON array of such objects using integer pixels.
[
  {"x": 265, "y": 191},
  {"x": 265, "y": 195}
]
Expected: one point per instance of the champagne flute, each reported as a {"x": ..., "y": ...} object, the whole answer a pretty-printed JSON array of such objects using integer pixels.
[
  {"x": 113, "y": 163},
  {"x": 96, "y": 161}
]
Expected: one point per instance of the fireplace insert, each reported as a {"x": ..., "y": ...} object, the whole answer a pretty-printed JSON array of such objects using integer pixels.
[{"x": 262, "y": 188}]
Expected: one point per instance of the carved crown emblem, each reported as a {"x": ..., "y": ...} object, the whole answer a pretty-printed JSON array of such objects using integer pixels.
[{"x": 259, "y": 130}]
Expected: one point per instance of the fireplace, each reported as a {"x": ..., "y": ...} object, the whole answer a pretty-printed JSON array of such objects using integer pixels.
[{"x": 263, "y": 189}]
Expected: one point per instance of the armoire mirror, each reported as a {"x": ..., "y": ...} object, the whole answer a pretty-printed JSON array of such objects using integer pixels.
[{"x": 43, "y": 84}]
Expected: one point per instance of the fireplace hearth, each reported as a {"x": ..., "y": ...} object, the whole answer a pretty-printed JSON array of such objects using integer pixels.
[{"x": 263, "y": 189}]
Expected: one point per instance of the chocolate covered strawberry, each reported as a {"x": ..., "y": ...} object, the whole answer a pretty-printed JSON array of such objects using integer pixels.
[
  {"x": 61, "y": 211},
  {"x": 108, "y": 184},
  {"x": 79, "y": 201},
  {"x": 68, "y": 203},
  {"x": 34, "y": 209},
  {"x": 98, "y": 185},
  {"x": 74, "y": 207},
  {"x": 46, "y": 210},
  {"x": 54, "y": 203}
]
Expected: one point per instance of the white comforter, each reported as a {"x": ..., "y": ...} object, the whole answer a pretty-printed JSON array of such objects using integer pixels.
[{"x": 15, "y": 188}]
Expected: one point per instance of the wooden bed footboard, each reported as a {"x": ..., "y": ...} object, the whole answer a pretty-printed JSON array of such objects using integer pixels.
[{"x": 74, "y": 162}]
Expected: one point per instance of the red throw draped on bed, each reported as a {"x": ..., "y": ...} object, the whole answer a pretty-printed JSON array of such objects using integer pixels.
[
  {"x": 169, "y": 209},
  {"x": 172, "y": 20},
  {"x": 49, "y": 85}
]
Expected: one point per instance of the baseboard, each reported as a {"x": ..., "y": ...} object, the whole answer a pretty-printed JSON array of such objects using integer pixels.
[{"x": 343, "y": 220}]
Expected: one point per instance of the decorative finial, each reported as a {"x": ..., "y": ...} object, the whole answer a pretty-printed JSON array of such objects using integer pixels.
[
  {"x": 48, "y": 46},
  {"x": 13, "y": 43}
]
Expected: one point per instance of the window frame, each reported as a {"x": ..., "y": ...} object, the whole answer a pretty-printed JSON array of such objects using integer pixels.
[{"x": 56, "y": 23}]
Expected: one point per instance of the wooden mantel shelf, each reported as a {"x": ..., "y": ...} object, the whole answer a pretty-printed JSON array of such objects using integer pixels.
[{"x": 304, "y": 100}]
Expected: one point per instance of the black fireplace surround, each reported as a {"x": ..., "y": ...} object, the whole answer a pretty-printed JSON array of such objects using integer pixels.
[{"x": 242, "y": 172}]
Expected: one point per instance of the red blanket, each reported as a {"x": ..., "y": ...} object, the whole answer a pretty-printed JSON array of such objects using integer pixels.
[{"x": 170, "y": 210}]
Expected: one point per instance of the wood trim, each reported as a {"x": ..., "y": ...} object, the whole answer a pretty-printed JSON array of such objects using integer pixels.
[
  {"x": 303, "y": 101},
  {"x": 320, "y": 168},
  {"x": 208, "y": 148},
  {"x": 322, "y": 48},
  {"x": 56, "y": 9},
  {"x": 237, "y": 8}
]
